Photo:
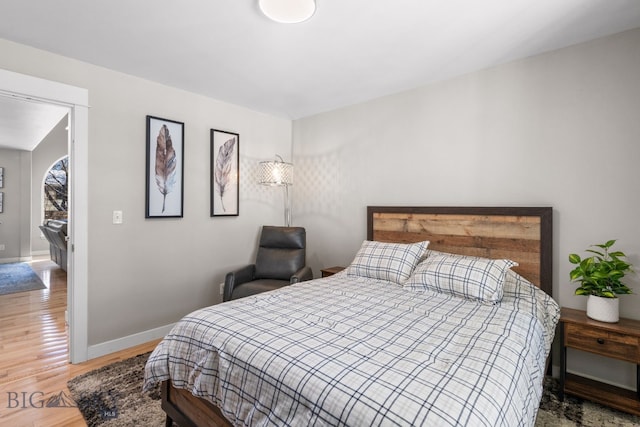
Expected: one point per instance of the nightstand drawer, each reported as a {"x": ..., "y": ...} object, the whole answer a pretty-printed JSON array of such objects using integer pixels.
[{"x": 605, "y": 343}]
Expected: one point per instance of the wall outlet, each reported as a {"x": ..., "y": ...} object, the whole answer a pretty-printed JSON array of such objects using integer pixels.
[
  {"x": 221, "y": 289},
  {"x": 1, "y": 247}
]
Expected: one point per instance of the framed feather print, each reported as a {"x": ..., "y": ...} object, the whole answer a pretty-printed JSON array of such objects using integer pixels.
[
  {"x": 225, "y": 173},
  {"x": 165, "y": 168}
]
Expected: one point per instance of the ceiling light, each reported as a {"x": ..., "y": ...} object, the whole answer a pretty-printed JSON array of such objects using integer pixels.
[{"x": 288, "y": 11}]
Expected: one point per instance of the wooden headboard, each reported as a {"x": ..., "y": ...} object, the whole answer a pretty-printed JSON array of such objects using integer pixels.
[{"x": 521, "y": 234}]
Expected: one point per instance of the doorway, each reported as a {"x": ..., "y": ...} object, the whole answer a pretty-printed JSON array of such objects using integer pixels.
[{"x": 25, "y": 87}]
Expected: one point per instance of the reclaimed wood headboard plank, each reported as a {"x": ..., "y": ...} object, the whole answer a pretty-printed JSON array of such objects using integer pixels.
[{"x": 522, "y": 234}]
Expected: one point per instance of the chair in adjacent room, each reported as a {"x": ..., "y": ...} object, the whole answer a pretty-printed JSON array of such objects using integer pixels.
[
  {"x": 55, "y": 231},
  {"x": 280, "y": 261}
]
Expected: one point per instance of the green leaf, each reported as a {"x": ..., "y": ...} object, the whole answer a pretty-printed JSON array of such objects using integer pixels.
[
  {"x": 574, "y": 258},
  {"x": 616, "y": 274},
  {"x": 600, "y": 275},
  {"x": 595, "y": 252},
  {"x": 586, "y": 263}
]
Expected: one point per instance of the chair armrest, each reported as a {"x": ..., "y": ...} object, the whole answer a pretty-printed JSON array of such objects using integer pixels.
[
  {"x": 236, "y": 278},
  {"x": 301, "y": 275}
]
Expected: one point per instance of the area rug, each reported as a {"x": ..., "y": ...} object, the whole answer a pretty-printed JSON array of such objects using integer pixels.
[
  {"x": 18, "y": 277},
  {"x": 112, "y": 397},
  {"x": 577, "y": 412}
]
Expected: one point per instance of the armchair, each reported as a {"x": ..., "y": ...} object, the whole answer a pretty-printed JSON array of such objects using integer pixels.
[
  {"x": 280, "y": 261},
  {"x": 55, "y": 231}
]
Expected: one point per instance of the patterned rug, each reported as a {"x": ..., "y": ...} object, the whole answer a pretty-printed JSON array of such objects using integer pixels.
[
  {"x": 112, "y": 397},
  {"x": 18, "y": 277},
  {"x": 577, "y": 412}
]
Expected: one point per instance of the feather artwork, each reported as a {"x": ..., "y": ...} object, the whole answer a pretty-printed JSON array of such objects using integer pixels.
[
  {"x": 165, "y": 164},
  {"x": 224, "y": 162}
]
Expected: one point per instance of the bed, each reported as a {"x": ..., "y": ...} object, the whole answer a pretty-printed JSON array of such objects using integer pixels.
[{"x": 454, "y": 332}]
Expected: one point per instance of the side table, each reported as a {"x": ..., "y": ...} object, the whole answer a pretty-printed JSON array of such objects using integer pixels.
[
  {"x": 330, "y": 271},
  {"x": 616, "y": 340}
]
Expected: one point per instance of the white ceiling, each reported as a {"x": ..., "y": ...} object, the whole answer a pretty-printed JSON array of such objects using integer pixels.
[
  {"x": 24, "y": 123},
  {"x": 350, "y": 51}
]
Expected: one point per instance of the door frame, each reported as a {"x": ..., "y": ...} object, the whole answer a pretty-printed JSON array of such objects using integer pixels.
[{"x": 22, "y": 86}]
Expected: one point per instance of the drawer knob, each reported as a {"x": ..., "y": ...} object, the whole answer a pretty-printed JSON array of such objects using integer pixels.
[{"x": 600, "y": 341}]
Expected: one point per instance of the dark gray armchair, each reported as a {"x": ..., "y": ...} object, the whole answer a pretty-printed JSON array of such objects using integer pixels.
[
  {"x": 280, "y": 262},
  {"x": 55, "y": 231}
]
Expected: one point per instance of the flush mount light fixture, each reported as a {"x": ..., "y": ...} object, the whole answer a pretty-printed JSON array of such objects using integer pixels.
[{"x": 288, "y": 11}]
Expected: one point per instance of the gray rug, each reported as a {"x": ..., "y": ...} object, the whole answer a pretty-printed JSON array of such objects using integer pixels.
[
  {"x": 576, "y": 412},
  {"x": 111, "y": 397},
  {"x": 18, "y": 277}
]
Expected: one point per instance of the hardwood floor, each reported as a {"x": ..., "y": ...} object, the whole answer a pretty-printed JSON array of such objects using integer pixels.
[{"x": 34, "y": 353}]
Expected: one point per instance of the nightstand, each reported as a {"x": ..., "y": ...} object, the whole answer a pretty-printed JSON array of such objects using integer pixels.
[
  {"x": 330, "y": 271},
  {"x": 616, "y": 340}
]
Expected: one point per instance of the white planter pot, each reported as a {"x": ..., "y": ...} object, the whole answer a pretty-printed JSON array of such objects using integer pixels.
[{"x": 603, "y": 309}]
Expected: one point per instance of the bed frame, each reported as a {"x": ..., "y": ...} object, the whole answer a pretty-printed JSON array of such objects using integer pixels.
[{"x": 522, "y": 234}]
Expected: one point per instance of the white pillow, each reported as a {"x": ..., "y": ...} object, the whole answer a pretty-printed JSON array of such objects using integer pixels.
[
  {"x": 465, "y": 276},
  {"x": 393, "y": 262}
]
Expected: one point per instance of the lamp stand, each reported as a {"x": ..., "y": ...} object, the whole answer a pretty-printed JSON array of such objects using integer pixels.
[{"x": 287, "y": 207}]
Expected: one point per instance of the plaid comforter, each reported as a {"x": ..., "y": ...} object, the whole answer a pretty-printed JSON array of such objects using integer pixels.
[{"x": 345, "y": 351}]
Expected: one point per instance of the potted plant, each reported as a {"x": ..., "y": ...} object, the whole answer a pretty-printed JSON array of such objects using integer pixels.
[{"x": 600, "y": 278}]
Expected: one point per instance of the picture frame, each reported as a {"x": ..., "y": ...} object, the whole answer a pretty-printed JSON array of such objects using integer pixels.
[
  {"x": 1, "y": 201},
  {"x": 225, "y": 173},
  {"x": 1, "y": 177},
  {"x": 164, "y": 196}
]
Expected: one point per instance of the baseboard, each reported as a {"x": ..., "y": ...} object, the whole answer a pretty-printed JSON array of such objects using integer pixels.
[
  {"x": 126, "y": 342},
  {"x": 23, "y": 258},
  {"x": 10, "y": 260}
]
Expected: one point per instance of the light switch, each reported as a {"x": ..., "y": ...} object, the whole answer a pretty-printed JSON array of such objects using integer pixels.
[{"x": 117, "y": 217}]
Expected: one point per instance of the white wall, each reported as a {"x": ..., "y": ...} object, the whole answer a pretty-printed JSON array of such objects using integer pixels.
[
  {"x": 559, "y": 129},
  {"x": 14, "y": 233},
  {"x": 147, "y": 273},
  {"x": 51, "y": 149},
  {"x": 24, "y": 171}
]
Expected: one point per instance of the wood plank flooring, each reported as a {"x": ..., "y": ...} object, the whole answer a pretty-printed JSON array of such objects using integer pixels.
[{"x": 34, "y": 353}]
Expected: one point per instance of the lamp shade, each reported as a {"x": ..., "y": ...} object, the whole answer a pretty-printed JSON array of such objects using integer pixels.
[
  {"x": 276, "y": 173},
  {"x": 288, "y": 11}
]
